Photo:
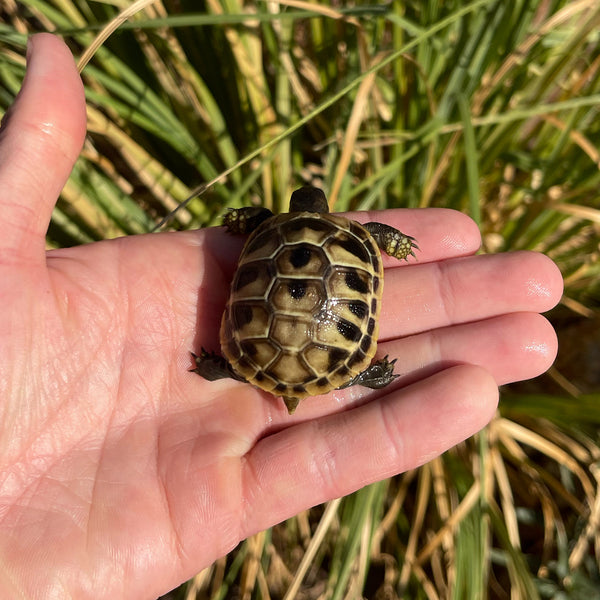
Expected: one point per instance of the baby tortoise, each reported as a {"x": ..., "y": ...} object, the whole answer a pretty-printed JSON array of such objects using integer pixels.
[{"x": 302, "y": 315}]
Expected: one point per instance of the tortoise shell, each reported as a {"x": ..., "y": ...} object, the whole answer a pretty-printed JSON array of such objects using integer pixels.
[{"x": 302, "y": 315}]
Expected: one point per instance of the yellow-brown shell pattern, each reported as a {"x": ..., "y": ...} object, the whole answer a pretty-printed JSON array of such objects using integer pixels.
[{"x": 302, "y": 315}]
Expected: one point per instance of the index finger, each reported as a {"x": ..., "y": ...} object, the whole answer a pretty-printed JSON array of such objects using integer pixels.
[{"x": 440, "y": 233}]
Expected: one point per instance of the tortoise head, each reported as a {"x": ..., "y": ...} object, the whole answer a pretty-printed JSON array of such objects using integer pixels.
[{"x": 309, "y": 199}]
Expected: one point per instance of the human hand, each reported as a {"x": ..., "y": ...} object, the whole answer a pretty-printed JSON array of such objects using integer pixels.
[{"x": 121, "y": 473}]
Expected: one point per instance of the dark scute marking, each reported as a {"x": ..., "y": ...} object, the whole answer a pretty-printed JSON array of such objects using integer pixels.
[
  {"x": 259, "y": 377},
  {"x": 336, "y": 356},
  {"x": 355, "y": 282},
  {"x": 358, "y": 308},
  {"x": 300, "y": 256},
  {"x": 244, "y": 363},
  {"x": 375, "y": 262},
  {"x": 233, "y": 350},
  {"x": 259, "y": 241},
  {"x": 357, "y": 357},
  {"x": 323, "y": 382},
  {"x": 299, "y": 389},
  {"x": 314, "y": 224},
  {"x": 280, "y": 387},
  {"x": 343, "y": 370},
  {"x": 248, "y": 348},
  {"x": 245, "y": 276},
  {"x": 374, "y": 305},
  {"x": 357, "y": 229},
  {"x": 242, "y": 315},
  {"x": 355, "y": 247},
  {"x": 365, "y": 343},
  {"x": 371, "y": 326},
  {"x": 375, "y": 284},
  {"x": 349, "y": 330},
  {"x": 297, "y": 288}
]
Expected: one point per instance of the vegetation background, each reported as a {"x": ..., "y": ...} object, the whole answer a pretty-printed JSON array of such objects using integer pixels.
[{"x": 491, "y": 107}]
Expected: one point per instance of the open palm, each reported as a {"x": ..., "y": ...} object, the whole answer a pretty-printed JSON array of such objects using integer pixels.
[{"x": 121, "y": 473}]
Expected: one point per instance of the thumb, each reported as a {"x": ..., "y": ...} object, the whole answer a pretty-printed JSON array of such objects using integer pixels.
[{"x": 40, "y": 138}]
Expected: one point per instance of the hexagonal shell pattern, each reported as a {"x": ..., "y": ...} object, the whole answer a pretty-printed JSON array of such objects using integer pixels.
[{"x": 302, "y": 315}]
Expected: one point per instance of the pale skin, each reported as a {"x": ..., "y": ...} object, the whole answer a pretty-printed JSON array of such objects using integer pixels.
[{"x": 121, "y": 473}]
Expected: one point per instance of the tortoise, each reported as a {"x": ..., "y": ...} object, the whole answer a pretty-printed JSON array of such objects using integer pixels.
[{"x": 302, "y": 314}]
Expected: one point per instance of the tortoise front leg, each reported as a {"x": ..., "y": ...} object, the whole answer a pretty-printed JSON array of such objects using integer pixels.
[
  {"x": 391, "y": 241},
  {"x": 375, "y": 376},
  {"x": 246, "y": 219}
]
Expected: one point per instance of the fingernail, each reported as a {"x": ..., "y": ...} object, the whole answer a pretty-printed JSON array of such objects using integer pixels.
[{"x": 33, "y": 62}]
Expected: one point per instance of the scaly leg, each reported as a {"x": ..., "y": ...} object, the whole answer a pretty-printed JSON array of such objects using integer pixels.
[
  {"x": 375, "y": 376},
  {"x": 211, "y": 366},
  {"x": 246, "y": 219},
  {"x": 391, "y": 241}
]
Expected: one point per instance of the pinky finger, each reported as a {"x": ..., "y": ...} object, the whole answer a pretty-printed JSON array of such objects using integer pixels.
[{"x": 322, "y": 459}]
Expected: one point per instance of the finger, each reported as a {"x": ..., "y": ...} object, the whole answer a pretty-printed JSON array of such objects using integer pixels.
[
  {"x": 317, "y": 460},
  {"x": 39, "y": 143},
  {"x": 425, "y": 296},
  {"x": 440, "y": 233},
  {"x": 511, "y": 347}
]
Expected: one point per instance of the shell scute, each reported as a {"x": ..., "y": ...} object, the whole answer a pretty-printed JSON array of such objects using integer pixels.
[
  {"x": 304, "y": 304},
  {"x": 264, "y": 244},
  {"x": 297, "y": 296},
  {"x": 289, "y": 369},
  {"x": 301, "y": 258},
  {"x": 290, "y": 333},
  {"x": 302, "y": 227}
]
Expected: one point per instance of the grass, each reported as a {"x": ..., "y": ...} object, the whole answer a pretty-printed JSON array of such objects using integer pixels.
[{"x": 490, "y": 107}]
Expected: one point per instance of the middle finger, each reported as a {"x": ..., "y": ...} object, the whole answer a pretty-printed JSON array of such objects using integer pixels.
[{"x": 426, "y": 296}]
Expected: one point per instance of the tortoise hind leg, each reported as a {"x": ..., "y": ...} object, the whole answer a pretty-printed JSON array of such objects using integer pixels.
[
  {"x": 211, "y": 366},
  {"x": 391, "y": 241},
  {"x": 375, "y": 376}
]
